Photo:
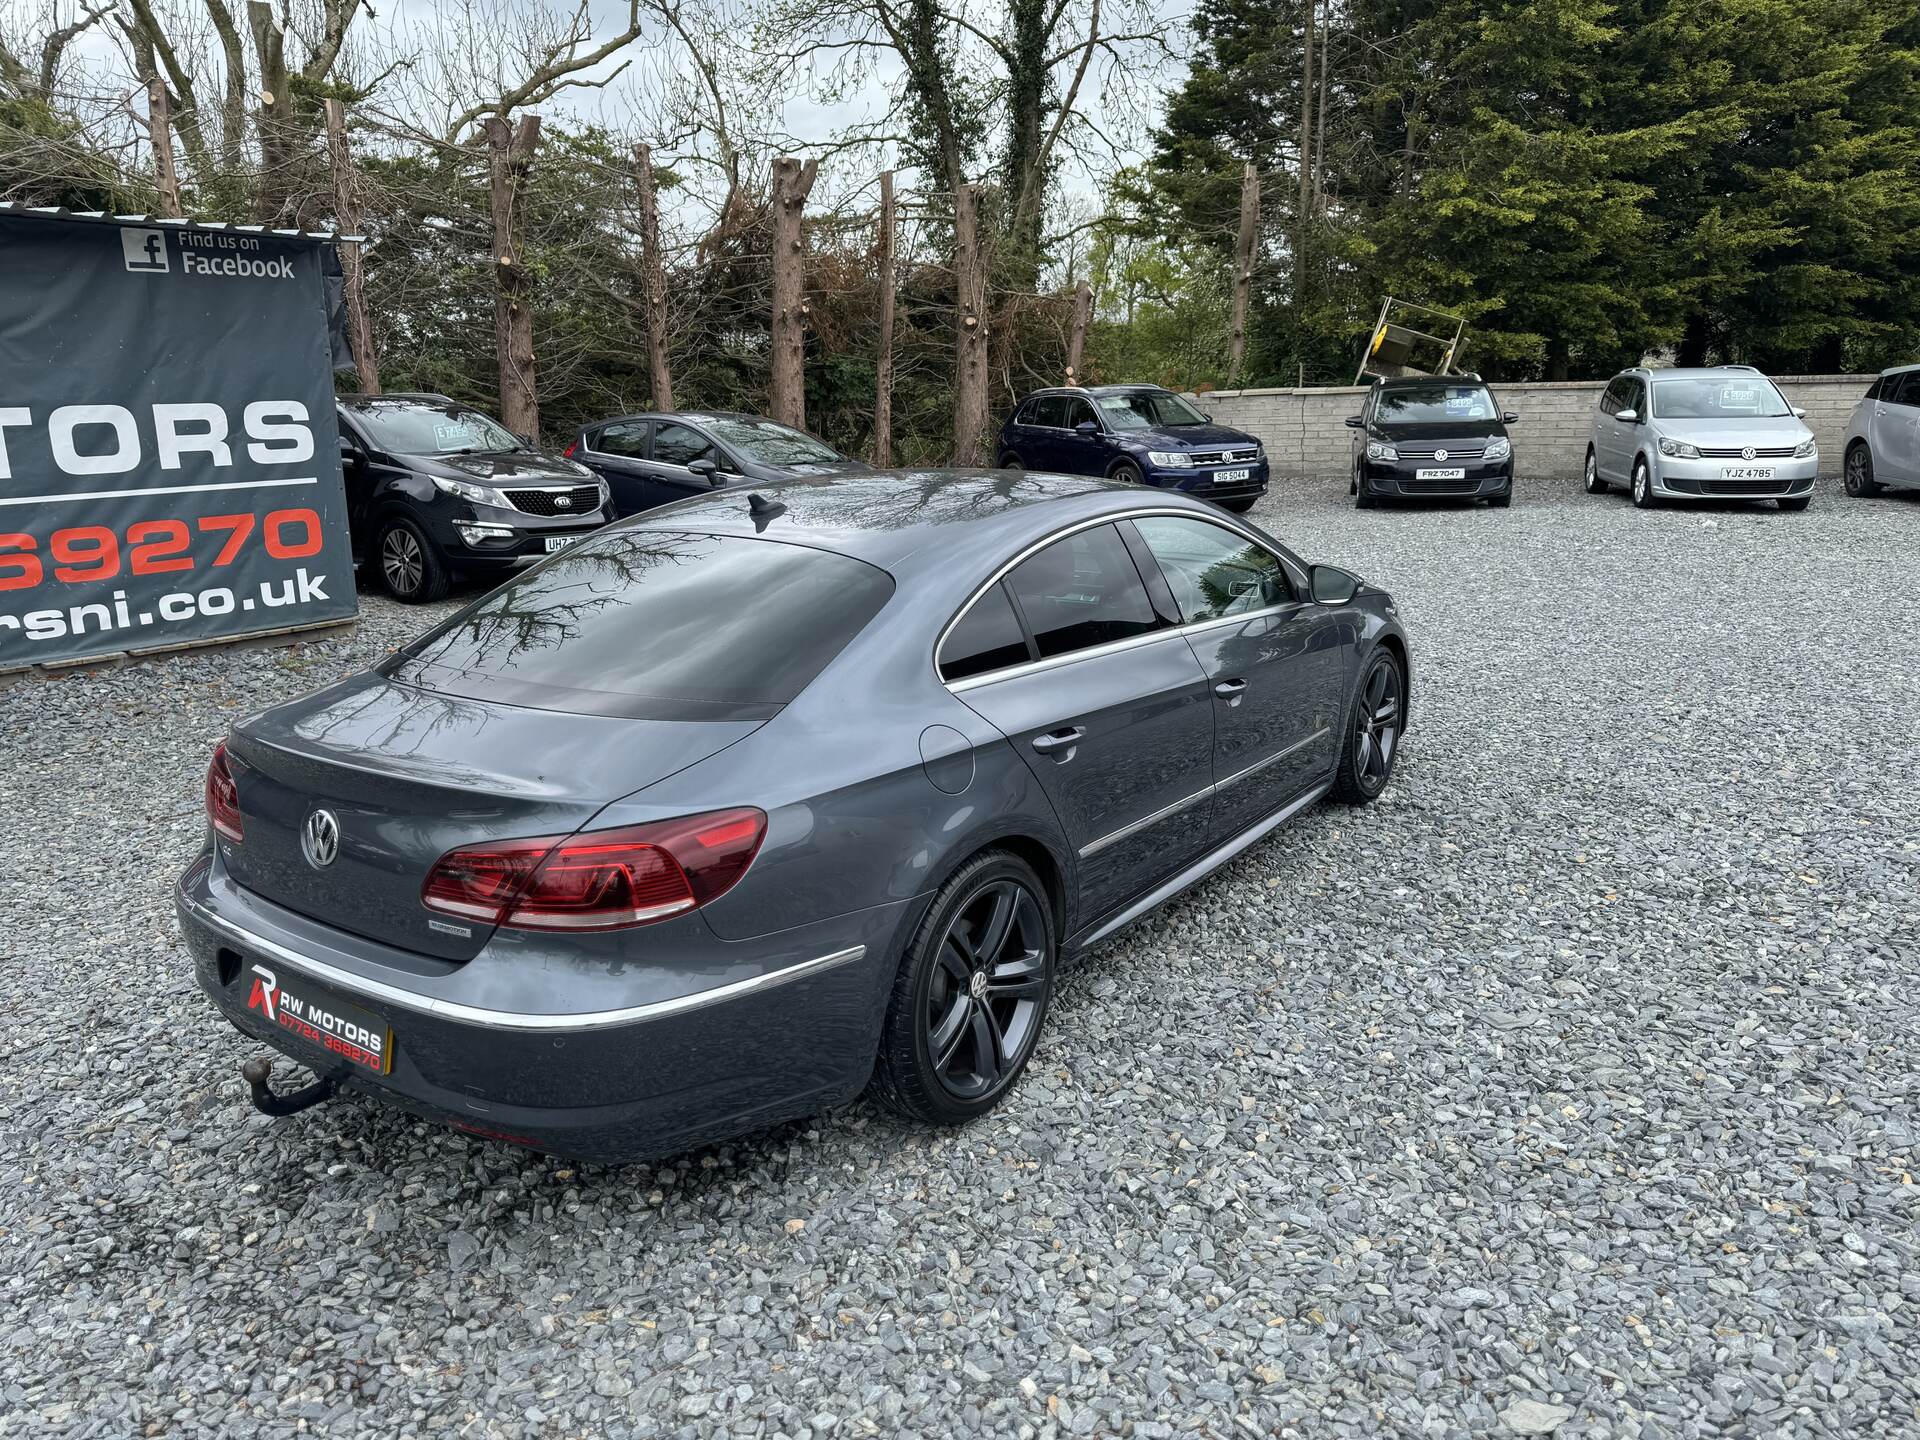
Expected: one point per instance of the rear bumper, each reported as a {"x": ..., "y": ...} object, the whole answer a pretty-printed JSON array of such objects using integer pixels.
[{"x": 654, "y": 1067}]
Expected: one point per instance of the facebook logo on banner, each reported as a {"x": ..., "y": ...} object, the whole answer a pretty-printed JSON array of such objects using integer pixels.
[{"x": 144, "y": 249}]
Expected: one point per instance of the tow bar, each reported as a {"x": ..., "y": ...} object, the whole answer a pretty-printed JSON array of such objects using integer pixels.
[{"x": 257, "y": 1071}]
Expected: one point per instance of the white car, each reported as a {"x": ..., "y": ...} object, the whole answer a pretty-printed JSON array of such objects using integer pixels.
[
  {"x": 1883, "y": 437},
  {"x": 1725, "y": 433}
]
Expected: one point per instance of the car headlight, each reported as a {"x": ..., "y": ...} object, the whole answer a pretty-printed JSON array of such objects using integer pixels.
[
  {"x": 1377, "y": 451},
  {"x": 1806, "y": 449},
  {"x": 467, "y": 490},
  {"x": 1171, "y": 459},
  {"x": 481, "y": 534},
  {"x": 1498, "y": 450},
  {"x": 606, "y": 490},
  {"x": 1679, "y": 449}
]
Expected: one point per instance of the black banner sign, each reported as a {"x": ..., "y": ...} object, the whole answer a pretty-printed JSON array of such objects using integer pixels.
[{"x": 169, "y": 463}]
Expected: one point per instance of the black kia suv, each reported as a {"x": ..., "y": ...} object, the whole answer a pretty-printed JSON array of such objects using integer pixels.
[
  {"x": 437, "y": 491},
  {"x": 1431, "y": 437}
]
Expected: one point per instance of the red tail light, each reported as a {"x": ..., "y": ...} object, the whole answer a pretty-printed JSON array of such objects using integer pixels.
[
  {"x": 223, "y": 796},
  {"x": 602, "y": 880},
  {"x": 572, "y": 445}
]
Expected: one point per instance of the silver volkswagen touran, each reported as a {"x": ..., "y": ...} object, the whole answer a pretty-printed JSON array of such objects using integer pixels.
[{"x": 1725, "y": 433}]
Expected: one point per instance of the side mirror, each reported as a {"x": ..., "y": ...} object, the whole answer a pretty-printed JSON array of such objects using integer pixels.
[
  {"x": 1332, "y": 585},
  {"x": 1627, "y": 415},
  {"x": 350, "y": 456},
  {"x": 1207, "y": 418},
  {"x": 1354, "y": 422},
  {"x": 705, "y": 470},
  {"x": 1087, "y": 427},
  {"x": 1798, "y": 413},
  {"x": 1507, "y": 417}
]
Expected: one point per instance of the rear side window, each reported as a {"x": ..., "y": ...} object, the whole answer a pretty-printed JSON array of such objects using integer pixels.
[
  {"x": 1049, "y": 410},
  {"x": 654, "y": 625},
  {"x": 628, "y": 438},
  {"x": 1873, "y": 391},
  {"x": 987, "y": 637},
  {"x": 1082, "y": 591},
  {"x": 1903, "y": 389}
]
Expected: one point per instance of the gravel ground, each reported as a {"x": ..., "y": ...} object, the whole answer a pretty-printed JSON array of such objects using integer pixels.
[{"x": 1569, "y": 1086}]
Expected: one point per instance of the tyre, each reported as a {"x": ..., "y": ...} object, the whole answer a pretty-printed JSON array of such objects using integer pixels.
[
  {"x": 1363, "y": 501},
  {"x": 1860, "y": 481},
  {"x": 1371, "y": 740},
  {"x": 410, "y": 566},
  {"x": 1796, "y": 505},
  {"x": 1595, "y": 485},
  {"x": 1240, "y": 504},
  {"x": 971, "y": 994},
  {"x": 1128, "y": 471},
  {"x": 1010, "y": 461},
  {"x": 1501, "y": 502},
  {"x": 1643, "y": 495}
]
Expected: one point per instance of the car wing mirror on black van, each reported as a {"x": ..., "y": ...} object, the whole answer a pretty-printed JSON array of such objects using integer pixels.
[
  {"x": 705, "y": 470},
  {"x": 1354, "y": 422}
]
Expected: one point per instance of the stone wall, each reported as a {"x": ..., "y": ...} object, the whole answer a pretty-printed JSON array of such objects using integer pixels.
[{"x": 1303, "y": 433}]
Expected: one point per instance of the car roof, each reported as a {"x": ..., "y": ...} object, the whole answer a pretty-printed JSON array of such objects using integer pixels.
[
  {"x": 1900, "y": 369},
  {"x": 1390, "y": 382},
  {"x": 903, "y": 520},
  {"x": 420, "y": 397},
  {"x": 1695, "y": 372},
  {"x": 697, "y": 417}
]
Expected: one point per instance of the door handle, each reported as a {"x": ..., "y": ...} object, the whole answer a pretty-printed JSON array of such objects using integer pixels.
[
  {"x": 1060, "y": 743},
  {"x": 1227, "y": 689}
]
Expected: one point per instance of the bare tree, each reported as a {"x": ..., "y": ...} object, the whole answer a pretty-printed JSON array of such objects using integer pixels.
[
  {"x": 346, "y": 214},
  {"x": 510, "y": 150},
  {"x": 166, "y": 183},
  {"x": 1243, "y": 271},
  {"x": 1077, "y": 340},
  {"x": 654, "y": 276},
  {"x": 787, "y": 391},
  {"x": 883, "y": 358},
  {"x": 969, "y": 337}
]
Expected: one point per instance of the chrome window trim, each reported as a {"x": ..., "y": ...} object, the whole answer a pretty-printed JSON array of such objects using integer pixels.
[
  {"x": 1296, "y": 579},
  {"x": 514, "y": 1019}
]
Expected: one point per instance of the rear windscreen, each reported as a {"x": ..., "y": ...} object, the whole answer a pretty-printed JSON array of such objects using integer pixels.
[{"x": 655, "y": 625}]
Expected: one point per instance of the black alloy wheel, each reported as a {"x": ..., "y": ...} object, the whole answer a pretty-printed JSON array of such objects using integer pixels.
[
  {"x": 971, "y": 994},
  {"x": 1372, "y": 740},
  {"x": 1860, "y": 481},
  {"x": 409, "y": 567}
]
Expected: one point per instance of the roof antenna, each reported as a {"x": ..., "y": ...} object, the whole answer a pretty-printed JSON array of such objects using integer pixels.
[{"x": 763, "y": 510}]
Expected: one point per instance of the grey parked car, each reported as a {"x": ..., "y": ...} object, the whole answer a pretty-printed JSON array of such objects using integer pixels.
[
  {"x": 732, "y": 809},
  {"x": 654, "y": 460},
  {"x": 1724, "y": 433},
  {"x": 1883, "y": 437}
]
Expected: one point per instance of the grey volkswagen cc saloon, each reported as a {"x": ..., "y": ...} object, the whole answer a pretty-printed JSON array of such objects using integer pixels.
[{"x": 739, "y": 807}]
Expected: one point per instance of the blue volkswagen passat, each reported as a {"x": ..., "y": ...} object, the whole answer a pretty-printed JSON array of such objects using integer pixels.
[
  {"x": 1139, "y": 433},
  {"x": 744, "y": 805}
]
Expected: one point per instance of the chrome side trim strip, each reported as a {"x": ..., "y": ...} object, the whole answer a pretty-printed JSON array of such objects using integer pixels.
[
  {"x": 1202, "y": 867},
  {"x": 1282, "y": 754},
  {"x": 1055, "y": 662},
  {"x": 1094, "y": 847},
  {"x": 514, "y": 1019}
]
